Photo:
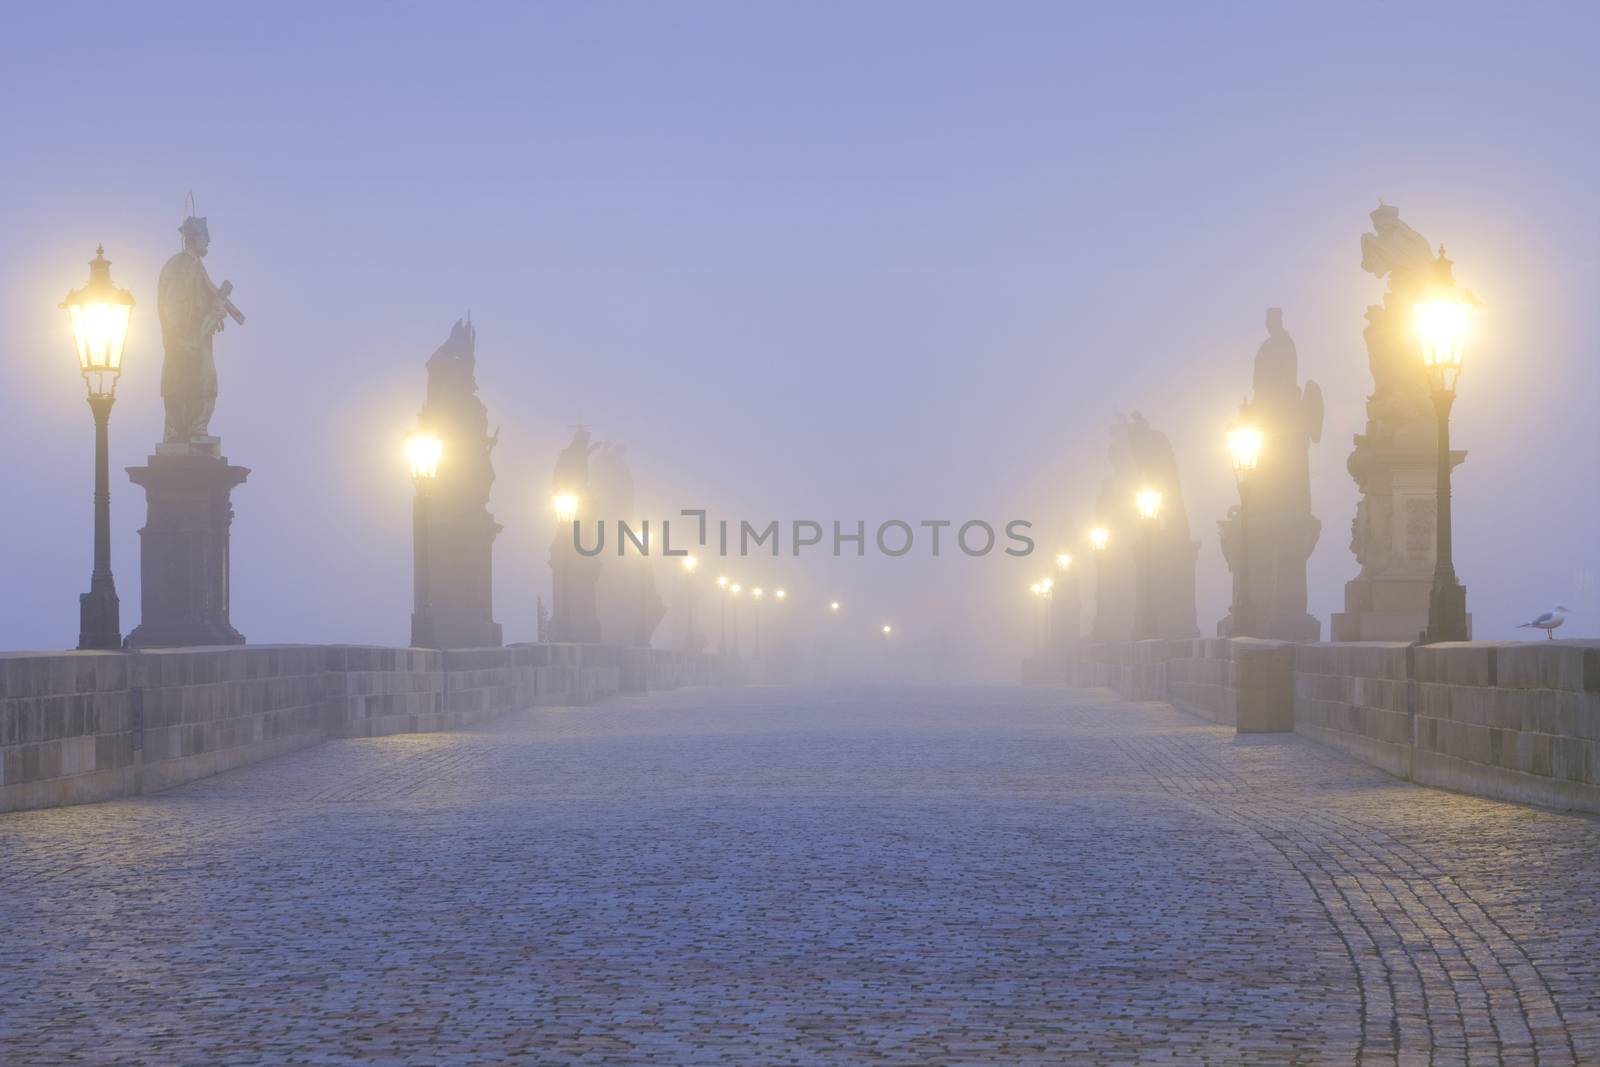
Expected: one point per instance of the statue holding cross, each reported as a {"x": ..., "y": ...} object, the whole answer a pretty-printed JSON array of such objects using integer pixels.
[{"x": 192, "y": 311}]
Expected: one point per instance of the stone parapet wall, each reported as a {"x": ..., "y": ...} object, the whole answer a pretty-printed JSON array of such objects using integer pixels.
[
  {"x": 1514, "y": 720},
  {"x": 85, "y": 726}
]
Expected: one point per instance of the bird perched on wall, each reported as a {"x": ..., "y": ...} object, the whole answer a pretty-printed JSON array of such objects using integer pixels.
[{"x": 1548, "y": 621}]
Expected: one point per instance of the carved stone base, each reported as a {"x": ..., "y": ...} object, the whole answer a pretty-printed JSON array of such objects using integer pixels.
[{"x": 183, "y": 558}]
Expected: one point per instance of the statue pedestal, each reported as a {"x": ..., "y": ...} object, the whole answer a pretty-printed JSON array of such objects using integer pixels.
[
  {"x": 574, "y": 615},
  {"x": 183, "y": 557},
  {"x": 1394, "y": 538}
]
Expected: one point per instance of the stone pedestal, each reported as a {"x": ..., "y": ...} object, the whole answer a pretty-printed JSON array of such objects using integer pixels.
[
  {"x": 184, "y": 548},
  {"x": 574, "y": 617},
  {"x": 1394, "y": 529}
]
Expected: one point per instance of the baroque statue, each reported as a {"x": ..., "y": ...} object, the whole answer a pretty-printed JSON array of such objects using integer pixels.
[
  {"x": 1394, "y": 462},
  {"x": 192, "y": 312},
  {"x": 1282, "y": 530}
]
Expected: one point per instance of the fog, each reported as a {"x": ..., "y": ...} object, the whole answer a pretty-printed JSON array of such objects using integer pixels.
[{"x": 828, "y": 262}]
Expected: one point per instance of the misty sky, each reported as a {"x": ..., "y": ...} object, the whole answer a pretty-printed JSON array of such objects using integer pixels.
[{"x": 807, "y": 260}]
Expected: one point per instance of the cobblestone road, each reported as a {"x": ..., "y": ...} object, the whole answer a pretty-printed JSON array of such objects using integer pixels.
[{"x": 917, "y": 877}]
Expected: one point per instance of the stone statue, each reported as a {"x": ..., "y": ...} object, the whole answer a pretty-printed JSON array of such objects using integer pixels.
[
  {"x": 1394, "y": 460},
  {"x": 575, "y": 577},
  {"x": 572, "y": 464},
  {"x": 192, "y": 311},
  {"x": 1143, "y": 457},
  {"x": 1282, "y": 530},
  {"x": 461, "y": 529},
  {"x": 630, "y": 608}
]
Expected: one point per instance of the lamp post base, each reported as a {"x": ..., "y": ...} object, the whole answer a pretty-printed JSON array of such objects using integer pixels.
[
  {"x": 100, "y": 615},
  {"x": 1447, "y": 613}
]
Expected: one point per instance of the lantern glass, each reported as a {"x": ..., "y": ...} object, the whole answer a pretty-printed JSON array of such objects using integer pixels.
[
  {"x": 1064, "y": 560},
  {"x": 566, "y": 506},
  {"x": 1442, "y": 327},
  {"x": 1099, "y": 537},
  {"x": 423, "y": 451},
  {"x": 1244, "y": 448},
  {"x": 1148, "y": 502},
  {"x": 100, "y": 313}
]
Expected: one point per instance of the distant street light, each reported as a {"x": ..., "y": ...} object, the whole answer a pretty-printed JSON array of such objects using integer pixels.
[
  {"x": 1443, "y": 320},
  {"x": 1099, "y": 538},
  {"x": 423, "y": 451},
  {"x": 100, "y": 313},
  {"x": 1244, "y": 450},
  {"x": 1148, "y": 501},
  {"x": 834, "y": 607},
  {"x": 566, "y": 507},
  {"x": 887, "y": 630}
]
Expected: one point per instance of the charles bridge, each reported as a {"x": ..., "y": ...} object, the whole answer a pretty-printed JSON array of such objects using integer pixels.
[{"x": 1258, "y": 847}]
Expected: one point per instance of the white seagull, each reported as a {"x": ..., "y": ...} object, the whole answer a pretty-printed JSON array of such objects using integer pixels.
[{"x": 1548, "y": 621}]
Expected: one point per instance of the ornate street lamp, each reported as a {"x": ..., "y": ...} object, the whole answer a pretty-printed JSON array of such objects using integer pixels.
[
  {"x": 1148, "y": 501},
  {"x": 1443, "y": 319},
  {"x": 566, "y": 507},
  {"x": 1099, "y": 538},
  {"x": 423, "y": 451},
  {"x": 1244, "y": 450},
  {"x": 100, "y": 313}
]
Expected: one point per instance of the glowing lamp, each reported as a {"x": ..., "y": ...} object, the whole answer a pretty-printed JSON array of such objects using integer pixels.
[
  {"x": 422, "y": 453},
  {"x": 100, "y": 313},
  {"x": 834, "y": 607},
  {"x": 1064, "y": 560},
  {"x": 566, "y": 505},
  {"x": 1148, "y": 502},
  {"x": 756, "y": 592},
  {"x": 1244, "y": 448},
  {"x": 690, "y": 563},
  {"x": 722, "y": 580},
  {"x": 1099, "y": 537},
  {"x": 781, "y": 594},
  {"x": 1036, "y": 589},
  {"x": 734, "y": 588},
  {"x": 1047, "y": 584},
  {"x": 887, "y": 629}
]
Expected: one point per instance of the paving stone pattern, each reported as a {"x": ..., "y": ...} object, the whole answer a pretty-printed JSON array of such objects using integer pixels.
[{"x": 765, "y": 876}]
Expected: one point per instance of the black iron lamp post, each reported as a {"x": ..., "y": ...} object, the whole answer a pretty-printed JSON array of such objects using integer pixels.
[
  {"x": 1244, "y": 449},
  {"x": 1148, "y": 501},
  {"x": 1442, "y": 320},
  {"x": 100, "y": 313},
  {"x": 423, "y": 451}
]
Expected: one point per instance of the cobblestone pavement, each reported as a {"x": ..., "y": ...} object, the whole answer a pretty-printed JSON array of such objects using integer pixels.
[{"x": 771, "y": 876}]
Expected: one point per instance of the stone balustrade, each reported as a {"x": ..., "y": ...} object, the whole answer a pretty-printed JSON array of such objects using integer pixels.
[
  {"x": 85, "y": 726},
  {"x": 1512, "y": 720}
]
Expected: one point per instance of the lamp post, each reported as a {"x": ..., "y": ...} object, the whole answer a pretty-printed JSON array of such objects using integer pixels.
[
  {"x": 1065, "y": 605},
  {"x": 755, "y": 595},
  {"x": 1442, "y": 320},
  {"x": 422, "y": 452},
  {"x": 1099, "y": 538},
  {"x": 689, "y": 565},
  {"x": 1148, "y": 501},
  {"x": 1037, "y": 592},
  {"x": 100, "y": 313},
  {"x": 1244, "y": 450},
  {"x": 722, "y": 606},
  {"x": 733, "y": 591}
]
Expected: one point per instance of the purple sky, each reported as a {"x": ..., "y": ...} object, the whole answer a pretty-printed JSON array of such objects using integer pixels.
[{"x": 820, "y": 260}]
